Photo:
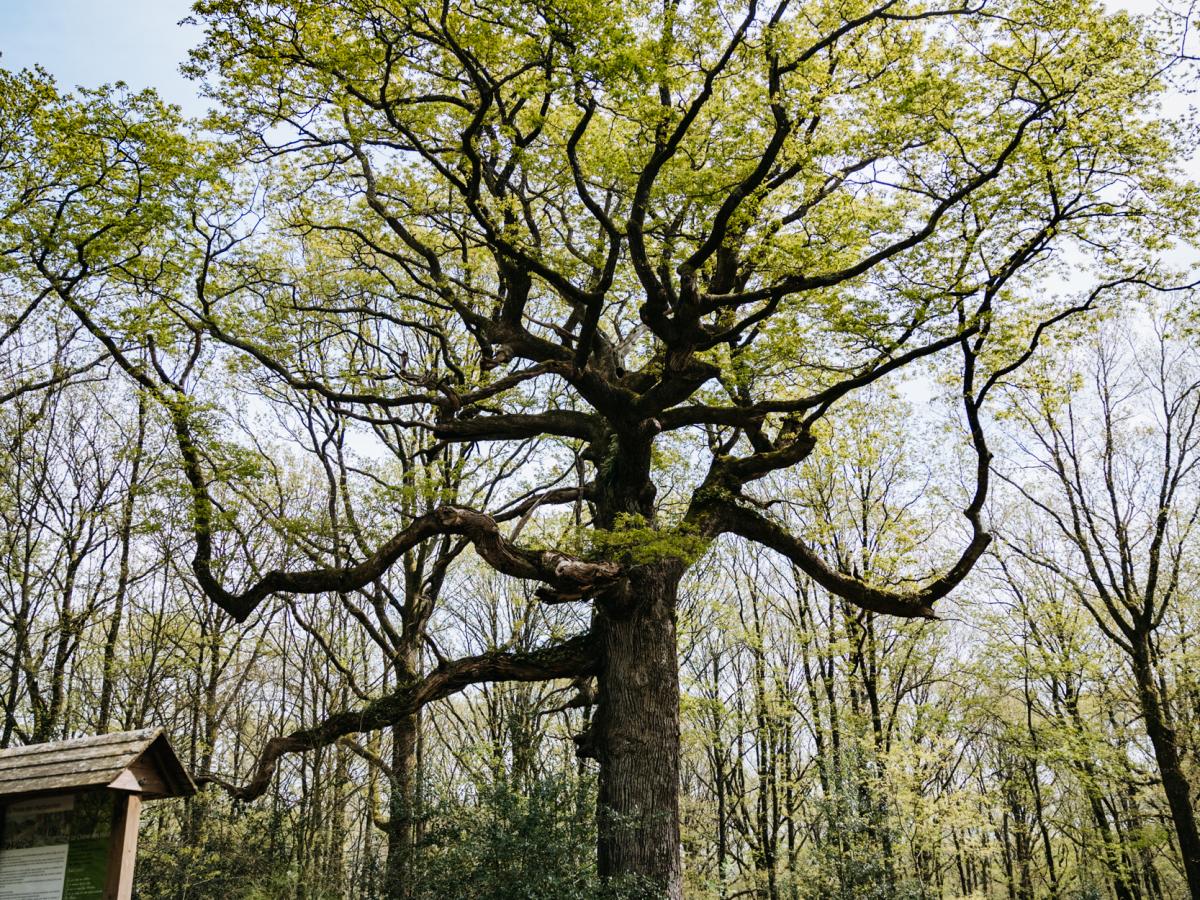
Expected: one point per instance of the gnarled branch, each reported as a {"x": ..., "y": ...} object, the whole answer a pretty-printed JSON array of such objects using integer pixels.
[
  {"x": 563, "y": 573},
  {"x": 573, "y": 658}
]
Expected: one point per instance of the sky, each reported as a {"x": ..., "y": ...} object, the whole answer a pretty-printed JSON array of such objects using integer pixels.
[
  {"x": 91, "y": 42},
  {"x": 140, "y": 42}
]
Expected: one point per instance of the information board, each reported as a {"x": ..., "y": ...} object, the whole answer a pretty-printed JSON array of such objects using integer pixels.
[{"x": 56, "y": 848}]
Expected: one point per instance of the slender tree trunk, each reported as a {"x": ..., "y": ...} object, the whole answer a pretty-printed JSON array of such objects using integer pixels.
[
  {"x": 113, "y": 633},
  {"x": 963, "y": 881},
  {"x": 1166, "y": 753},
  {"x": 403, "y": 805},
  {"x": 48, "y": 717},
  {"x": 879, "y": 821},
  {"x": 719, "y": 785},
  {"x": 1128, "y": 830},
  {"x": 1137, "y": 849},
  {"x": 1111, "y": 843},
  {"x": 1044, "y": 830},
  {"x": 20, "y": 644},
  {"x": 1007, "y": 858},
  {"x": 636, "y": 732},
  {"x": 765, "y": 857}
]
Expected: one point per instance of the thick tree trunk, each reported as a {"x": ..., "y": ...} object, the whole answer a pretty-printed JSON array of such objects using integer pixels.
[
  {"x": 1166, "y": 752},
  {"x": 402, "y": 818},
  {"x": 635, "y": 735}
]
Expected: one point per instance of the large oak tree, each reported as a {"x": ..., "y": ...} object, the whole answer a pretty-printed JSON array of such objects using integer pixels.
[{"x": 620, "y": 232}]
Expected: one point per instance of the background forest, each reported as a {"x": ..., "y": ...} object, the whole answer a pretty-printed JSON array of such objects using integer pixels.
[
  {"x": 829, "y": 752},
  {"x": 262, "y": 308}
]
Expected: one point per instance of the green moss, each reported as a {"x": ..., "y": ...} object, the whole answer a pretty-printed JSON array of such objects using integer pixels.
[{"x": 634, "y": 541}]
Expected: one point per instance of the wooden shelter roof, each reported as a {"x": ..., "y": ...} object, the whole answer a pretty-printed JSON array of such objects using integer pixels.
[{"x": 136, "y": 761}]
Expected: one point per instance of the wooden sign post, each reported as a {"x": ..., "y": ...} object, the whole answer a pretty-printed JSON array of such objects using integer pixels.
[{"x": 69, "y": 813}]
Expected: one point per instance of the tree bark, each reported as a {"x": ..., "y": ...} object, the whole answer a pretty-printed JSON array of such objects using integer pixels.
[
  {"x": 402, "y": 818},
  {"x": 636, "y": 733},
  {"x": 1166, "y": 752}
]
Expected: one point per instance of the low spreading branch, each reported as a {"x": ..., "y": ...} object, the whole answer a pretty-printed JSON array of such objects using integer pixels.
[{"x": 574, "y": 658}]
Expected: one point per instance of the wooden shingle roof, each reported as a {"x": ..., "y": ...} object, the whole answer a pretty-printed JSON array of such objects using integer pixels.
[{"x": 137, "y": 761}]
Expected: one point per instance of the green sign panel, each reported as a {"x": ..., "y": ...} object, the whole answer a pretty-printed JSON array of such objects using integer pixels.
[{"x": 56, "y": 848}]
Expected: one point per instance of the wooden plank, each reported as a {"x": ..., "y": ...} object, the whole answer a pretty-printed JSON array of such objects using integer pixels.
[
  {"x": 33, "y": 761},
  {"x": 178, "y": 779},
  {"x": 49, "y": 759},
  {"x": 126, "y": 781},
  {"x": 122, "y": 758},
  {"x": 52, "y": 783},
  {"x": 71, "y": 765},
  {"x": 74, "y": 745},
  {"x": 142, "y": 737},
  {"x": 122, "y": 848},
  {"x": 48, "y": 765},
  {"x": 149, "y": 777},
  {"x": 85, "y": 775}
]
